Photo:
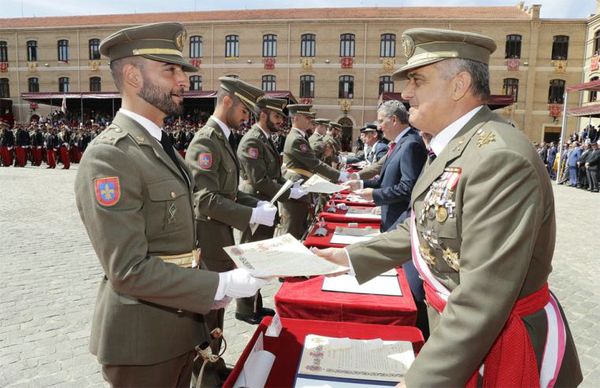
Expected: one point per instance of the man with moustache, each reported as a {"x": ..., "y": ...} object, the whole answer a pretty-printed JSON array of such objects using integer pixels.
[
  {"x": 261, "y": 177},
  {"x": 481, "y": 233},
  {"x": 134, "y": 196},
  {"x": 219, "y": 205}
]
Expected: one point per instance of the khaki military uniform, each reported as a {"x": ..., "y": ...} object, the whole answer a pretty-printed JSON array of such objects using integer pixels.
[
  {"x": 318, "y": 144},
  {"x": 299, "y": 162},
  {"x": 137, "y": 207},
  {"x": 219, "y": 206},
  {"x": 485, "y": 221}
]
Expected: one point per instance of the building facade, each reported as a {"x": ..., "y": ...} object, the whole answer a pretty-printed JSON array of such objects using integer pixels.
[{"x": 340, "y": 60}]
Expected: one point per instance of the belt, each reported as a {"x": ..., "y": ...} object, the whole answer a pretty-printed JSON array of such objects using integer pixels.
[{"x": 185, "y": 260}]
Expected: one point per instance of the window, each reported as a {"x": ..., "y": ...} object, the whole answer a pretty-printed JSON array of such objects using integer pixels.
[
  {"x": 268, "y": 83},
  {"x": 94, "y": 49},
  {"x": 33, "y": 84},
  {"x": 195, "y": 83},
  {"x": 386, "y": 84},
  {"x": 556, "y": 91},
  {"x": 513, "y": 46},
  {"x": 63, "y": 84},
  {"x": 95, "y": 84},
  {"x": 63, "y": 50},
  {"x": 593, "y": 93},
  {"x": 596, "y": 42},
  {"x": 195, "y": 46},
  {"x": 232, "y": 46},
  {"x": 269, "y": 45},
  {"x": 4, "y": 88},
  {"x": 510, "y": 87},
  {"x": 387, "y": 46},
  {"x": 32, "y": 51},
  {"x": 3, "y": 51},
  {"x": 560, "y": 47},
  {"x": 308, "y": 45},
  {"x": 347, "y": 45},
  {"x": 346, "y": 89},
  {"x": 307, "y": 86}
]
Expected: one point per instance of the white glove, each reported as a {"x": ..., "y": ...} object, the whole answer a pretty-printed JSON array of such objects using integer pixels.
[
  {"x": 341, "y": 159},
  {"x": 261, "y": 203},
  {"x": 297, "y": 191},
  {"x": 239, "y": 283},
  {"x": 344, "y": 176},
  {"x": 263, "y": 214}
]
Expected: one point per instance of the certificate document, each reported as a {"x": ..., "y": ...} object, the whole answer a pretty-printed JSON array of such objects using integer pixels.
[
  {"x": 317, "y": 184},
  {"x": 379, "y": 285},
  {"x": 366, "y": 213},
  {"x": 344, "y": 235},
  {"x": 282, "y": 256},
  {"x": 344, "y": 360}
]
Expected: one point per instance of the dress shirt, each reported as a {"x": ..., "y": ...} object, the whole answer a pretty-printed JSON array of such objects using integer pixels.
[{"x": 441, "y": 140}]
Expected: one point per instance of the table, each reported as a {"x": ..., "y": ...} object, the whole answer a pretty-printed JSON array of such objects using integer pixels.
[
  {"x": 324, "y": 241},
  {"x": 343, "y": 198},
  {"x": 340, "y": 216},
  {"x": 287, "y": 348},
  {"x": 303, "y": 299}
]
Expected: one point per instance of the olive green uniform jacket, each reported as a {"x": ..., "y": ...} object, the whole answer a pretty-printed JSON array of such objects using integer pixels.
[
  {"x": 494, "y": 248},
  {"x": 147, "y": 311},
  {"x": 317, "y": 143}
]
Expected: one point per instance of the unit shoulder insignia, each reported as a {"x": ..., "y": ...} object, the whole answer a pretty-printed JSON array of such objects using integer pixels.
[{"x": 485, "y": 138}]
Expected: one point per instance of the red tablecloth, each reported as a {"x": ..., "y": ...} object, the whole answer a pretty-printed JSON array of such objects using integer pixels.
[
  {"x": 324, "y": 241},
  {"x": 287, "y": 348},
  {"x": 340, "y": 216},
  {"x": 304, "y": 299}
]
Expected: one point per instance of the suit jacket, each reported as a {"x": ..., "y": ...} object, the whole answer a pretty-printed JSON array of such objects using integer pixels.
[
  {"x": 219, "y": 206},
  {"x": 378, "y": 151},
  {"x": 495, "y": 247},
  {"x": 300, "y": 160},
  {"x": 136, "y": 320},
  {"x": 393, "y": 187}
]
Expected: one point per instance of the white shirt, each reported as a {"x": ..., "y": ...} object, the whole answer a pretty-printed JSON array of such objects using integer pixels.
[
  {"x": 397, "y": 139},
  {"x": 441, "y": 140},
  {"x": 301, "y": 132},
  {"x": 268, "y": 135},
  {"x": 152, "y": 128},
  {"x": 224, "y": 127}
]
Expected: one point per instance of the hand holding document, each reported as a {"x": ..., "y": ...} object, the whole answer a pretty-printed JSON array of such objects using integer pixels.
[
  {"x": 254, "y": 225},
  {"x": 282, "y": 256},
  {"x": 346, "y": 361},
  {"x": 316, "y": 184}
]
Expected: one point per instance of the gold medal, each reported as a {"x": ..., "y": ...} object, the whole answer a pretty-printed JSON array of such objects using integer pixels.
[{"x": 441, "y": 214}]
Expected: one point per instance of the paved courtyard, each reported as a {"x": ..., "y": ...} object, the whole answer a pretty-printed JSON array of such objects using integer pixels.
[{"x": 49, "y": 276}]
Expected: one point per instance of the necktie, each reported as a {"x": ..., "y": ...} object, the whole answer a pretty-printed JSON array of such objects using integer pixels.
[
  {"x": 391, "y": 148},
  {"x": 167, "y": 145},
  {"x": 431, "y": 155},
  {"x": 232, "y": 142}
]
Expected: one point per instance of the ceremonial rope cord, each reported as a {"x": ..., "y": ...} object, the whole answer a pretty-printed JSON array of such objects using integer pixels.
[{"x": 206, "y": 354}]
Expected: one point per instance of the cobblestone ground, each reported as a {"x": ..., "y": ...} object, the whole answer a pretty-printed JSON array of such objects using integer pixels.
[{"x": 49, "y": 276}]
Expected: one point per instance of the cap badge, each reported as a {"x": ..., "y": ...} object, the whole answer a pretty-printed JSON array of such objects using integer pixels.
[
  {"x": 180, "y": 40},
  {"x": 408, "y": 45}
]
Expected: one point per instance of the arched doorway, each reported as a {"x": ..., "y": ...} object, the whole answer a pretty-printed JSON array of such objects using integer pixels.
[{"x": 347, "y": 125}]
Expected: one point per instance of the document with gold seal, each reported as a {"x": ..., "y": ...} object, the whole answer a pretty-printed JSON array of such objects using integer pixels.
[{"x": 282, "y": 256}]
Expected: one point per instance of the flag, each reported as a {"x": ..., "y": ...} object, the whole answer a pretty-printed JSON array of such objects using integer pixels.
[{"x": 63, "y": 106}]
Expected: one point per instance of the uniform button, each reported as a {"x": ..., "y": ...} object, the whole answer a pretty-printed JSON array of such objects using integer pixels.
[
  {"x": 118, "y": 130},
  {"x": 173, "y": 195}
]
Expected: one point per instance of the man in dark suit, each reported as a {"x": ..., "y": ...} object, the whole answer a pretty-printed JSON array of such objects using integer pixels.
[{"x": 393, "y": 188}]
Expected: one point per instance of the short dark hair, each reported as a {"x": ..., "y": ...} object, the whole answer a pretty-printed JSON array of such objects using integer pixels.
[
  {"x": 116, "y": 68},
  {"x": 479, "y": 72}
]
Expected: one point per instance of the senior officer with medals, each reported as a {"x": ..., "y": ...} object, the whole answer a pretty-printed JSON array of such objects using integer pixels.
[
  {"x": 134, "y": 196},
  {"x": 482, "y": 230},
  {"x": 300, "y": 162},
  {"x": 219, "y": 206}
]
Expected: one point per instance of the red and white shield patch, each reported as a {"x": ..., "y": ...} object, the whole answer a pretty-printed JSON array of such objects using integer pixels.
[
  {"x": 108, "y": 190},
  {"x": 205, "y": 160},
  {"x": 303, "y": 148},
  {"x": 253, "y": 152}
]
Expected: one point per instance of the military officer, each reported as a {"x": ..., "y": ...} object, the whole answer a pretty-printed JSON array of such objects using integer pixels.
[
  {"x": 220, "y": 206},
  {"x": 332, "y": 139},
  {"x": 261, "y": 177},
  {"x": 134, "y": 196},
  {"x": 300, "y": 162},
  {"x": 317, "y": 139},
  {"x": 481, "y": 233}
]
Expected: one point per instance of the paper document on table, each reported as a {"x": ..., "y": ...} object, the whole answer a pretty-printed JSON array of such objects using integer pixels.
[
  {"x": 356, "y": 198},
  {"x": 257, "y": 366},
  {"x": 343, "y": 361},
  {"x": 343, "y": 235},
  {"x": 379, "y": 285},
  {"x": 367, "y": 213},
  {"x": 282, "y": 256},
  {"x": 316, "y": 184}
]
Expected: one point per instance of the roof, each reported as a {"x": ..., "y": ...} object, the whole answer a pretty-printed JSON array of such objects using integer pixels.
[
  {"x": 585, "y": 111},
  {"x": 592, "y": 85},
  {"x": 420, "y": 13}
]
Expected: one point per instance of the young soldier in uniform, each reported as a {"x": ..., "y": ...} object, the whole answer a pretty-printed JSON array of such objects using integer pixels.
[
  {"x": 317, "y": 139},
  {"x": 134, "y": 196},
  {"x": 481, "y": 232},
  {"x": 300, "y": 162},
  {"x": 220, "y": 207},
  {"x": 261, "y": 177}
]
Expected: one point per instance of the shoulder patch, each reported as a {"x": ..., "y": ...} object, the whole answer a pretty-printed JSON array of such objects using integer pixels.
[
  {"x": 253, "y": 152},
  {"x": 205, "y": 160},
  {"x": 108, "y": 190},
  {"x": 303, "y": 147}
]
